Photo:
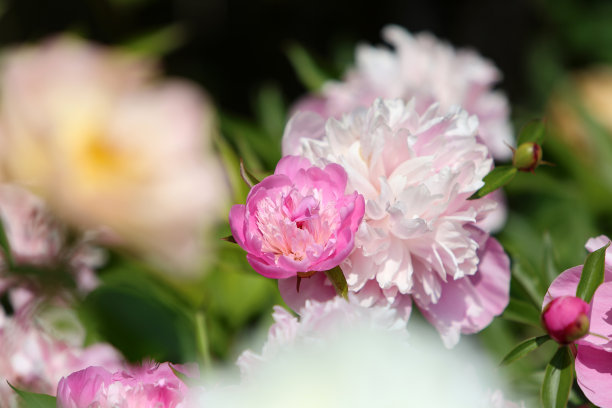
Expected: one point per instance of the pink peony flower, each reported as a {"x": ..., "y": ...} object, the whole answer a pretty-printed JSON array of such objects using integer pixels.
[
  {"x": 297, "y": 220},
  {"x": 419, "y": 239},
  {"x": 42, "y": 343},
  {"x": 424, "y": 68},
  {"x": 594, "y": 357},
  {"x": 149, "y": 385},
  {"x": 566, "y": 319},
  {"x": 107, "y": 148}
]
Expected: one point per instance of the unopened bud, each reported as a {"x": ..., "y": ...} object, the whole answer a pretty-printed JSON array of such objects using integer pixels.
[
  {"x": 566, "y": 319},
  {"x": 527, "y": 156}
]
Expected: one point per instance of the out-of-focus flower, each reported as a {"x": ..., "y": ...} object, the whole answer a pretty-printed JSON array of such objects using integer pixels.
[
  {"x": 36, "y": 238},
  {"x": 148, "y": 385},
  {"x": 38, "y": 350},
  {"x": 298, "y": 220},
  {"x": 429, "y": 70},
  {"x": 318, "y": 321},
  {"x": 342, "y": 355},
  {"x": 594, "y": 352},
  {"x": 566, "y": 319},
  {"x": 105, "y": 147},
  {"x": 419, "y": 239}
]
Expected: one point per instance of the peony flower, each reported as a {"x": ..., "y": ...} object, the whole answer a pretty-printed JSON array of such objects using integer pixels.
[
  {"x": 40, "y": 345},
  {"x": 343, "y": 355},
  {"x": 594, "y": 352},
  {"x": 419, "y": 240},
  {"x": 318, "y": 321},
  {"x": 149, "y": 385},
  {"x": 297, "y": 220},
  {"x": 88, "y": 131},
  {"x": 427, "y": 69},
  {"x": 36, "y": 238},
  {"x": 566, "y": 319}
]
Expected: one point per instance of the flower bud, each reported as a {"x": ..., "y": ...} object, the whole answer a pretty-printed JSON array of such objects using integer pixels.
[
  {"x": 566, "y": 319},
  {"x": 527, "y": 156}
]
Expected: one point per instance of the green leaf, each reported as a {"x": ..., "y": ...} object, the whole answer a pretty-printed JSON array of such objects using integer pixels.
[
  {"x": 5, "y": 245},
  {"x": 592, "y": 274},
  {"x": 558, "y": 379},
  {"x": 533, "y": 131},
  {"x": 247, "y": 176},
  {"x": 157, "y": 42},
  {"x": 307, "y": 70},
  {"x": 498, "y": 177},
  {"x": 549, "y": 264},
  {"x": 338, "y": 280},
  {"x": 524, "y": 348},
  {"x": 522, "y": 312},
  {"x": 33, "y": 400},
  {"x": 270, "y": 111}
]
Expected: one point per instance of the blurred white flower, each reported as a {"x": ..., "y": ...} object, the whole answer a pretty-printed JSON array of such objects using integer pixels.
[{"x": 87, "y": 130}]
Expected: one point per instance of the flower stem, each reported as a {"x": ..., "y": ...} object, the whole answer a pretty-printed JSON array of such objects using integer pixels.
[{"x": 202, "y": 339}]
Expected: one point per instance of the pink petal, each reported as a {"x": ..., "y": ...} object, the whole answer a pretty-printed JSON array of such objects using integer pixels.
[
  {"x": 290, "y": 166},
  {"x": 302, "y": 125},
  {"x": 600, "y": 317},
  {"x": 317, "y": 288},
  {"x": 564, "y": 285},
  {"x": 594, "y": 374}
]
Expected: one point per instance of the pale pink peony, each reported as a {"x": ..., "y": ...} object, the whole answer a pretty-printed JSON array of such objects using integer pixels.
[
  {"x": 419, "y": 239},
  {"x": 318, "y": 321},
  {"x": 40, "y": 344},
  {"x": 148, "y": 385},
  {"x": 427, "y": 69},
  {"x": 297, "y": 220},
  {"x": 89, "y": 131},
  {"x": 594, "y": 358},
  {"x": 566, "y": 319},
  {"x": 37, "y": 238}
]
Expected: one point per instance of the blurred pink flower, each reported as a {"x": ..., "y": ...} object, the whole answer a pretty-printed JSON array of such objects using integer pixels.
[
  {"x": 566, "y": 319},
  {"x": 319, "y": 321},
  {"x": 106, "y": 147},
  {"x": 594, "y": 358},
  {"x": 40, "y": 344},
  {"x": 425, "y": 68},
  {"x": 419, "y": 239},
  {"x": 298, "y": 220},
  {"x": 37, "y": 238},
  {"x": 149, "y": 385}
]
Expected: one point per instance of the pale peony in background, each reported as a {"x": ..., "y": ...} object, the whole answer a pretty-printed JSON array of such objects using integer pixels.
[
  {"x": 107, "y": 146},
  {"x": 420, "y": 238}
]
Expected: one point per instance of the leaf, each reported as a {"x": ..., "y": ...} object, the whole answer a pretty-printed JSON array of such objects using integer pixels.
[
  {"x": 157, "y": 42},
  {"x": 338, "y": 280},
  {"x": 524, "y": 348},
  {"x": 307, "y": 70},
  {"x": 558, "y": 379},
  {"x": 522, "y": 312},
  {"x": 271, "y": 112},
  {"x": 592, "y": 274},
  {"x": 5, "y": 245},
  {"x": 549, "y": 264},
  {"x": 33, "y": 400},
  {"x": 247, "y": 176},
  {"x": 533, "y": 131},
  {"x": 498, "y": 177}
]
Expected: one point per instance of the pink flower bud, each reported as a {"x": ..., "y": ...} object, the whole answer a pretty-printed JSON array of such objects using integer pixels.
[
  {"x": 566, "y": 319},
  {"x": 527, "y": 156}
]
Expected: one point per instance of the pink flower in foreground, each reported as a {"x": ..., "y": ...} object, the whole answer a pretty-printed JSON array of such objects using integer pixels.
[
  {"x": 89, "y": 131},
  {"x": 419, "y": 240},
  {"x": 425, "y": 68},
  {"x": 298, "y": 220},
  {"x": 594, "y": 357},
  {"x": 566, "y": 319},
  {"x": 149, "y": 385},
  {"x": 42, "y": 343}
]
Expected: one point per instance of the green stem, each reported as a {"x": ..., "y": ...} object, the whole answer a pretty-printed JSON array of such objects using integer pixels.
[{"x": 202, "y": 339}]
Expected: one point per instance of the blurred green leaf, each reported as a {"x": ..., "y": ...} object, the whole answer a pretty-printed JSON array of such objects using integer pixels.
[
  {"x": 524, "y": 348},
  {"x": 33, "y": 400},
  {"x": 270, "y": 111},
  {"x": 592, "y": 274},
  {"x": 247, "y": 176},
  {"x": 5, "y": 245},
  {"x": 529, "y": 279},
  {"x": 156, "y": 43},
  {"x": 336, "y": 276},
  {"x": 533, "y": 131},
  {"x": 497, "y": 178},
  {"x": 522, "y": 312},
  {"x": 558, "y": 379},
  {"x": 308, "y": 71},
  {"x": 549, "y": 265}
]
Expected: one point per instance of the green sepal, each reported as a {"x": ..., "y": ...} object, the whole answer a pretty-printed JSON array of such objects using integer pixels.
[
  {"x": 523, "y": 348},
  {"x": 34, "y": 400},
  {"x": 497, "y": 178},
  {"x": 592, "y": 274},
  {"x": 336, "y": 276},
  {"x": 558, "y": 379}
]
